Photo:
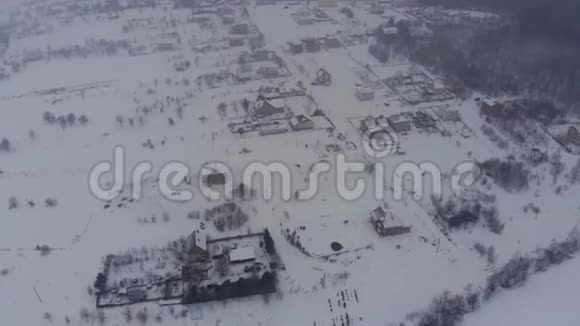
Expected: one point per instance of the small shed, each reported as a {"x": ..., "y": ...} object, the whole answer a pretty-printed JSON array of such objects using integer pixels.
[
  {"x": 385, "y": 224},
  {"x": 241, "y": 255},
  {"x": 301, "y": 122},
  {"x": 364, "y": 94}
]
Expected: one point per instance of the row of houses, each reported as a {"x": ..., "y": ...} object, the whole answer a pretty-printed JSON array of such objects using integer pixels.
[
  {"x": 269, "y": 119},
  {"x": 314, "y": 44},
  {"x": 399, "y": 123},
  {"x": 386, "y": 224}
]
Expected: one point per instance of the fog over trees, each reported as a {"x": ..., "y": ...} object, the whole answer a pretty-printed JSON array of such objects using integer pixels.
[
  {"x": 556, "y": 19},
  {"x": 532, "y": 52}
]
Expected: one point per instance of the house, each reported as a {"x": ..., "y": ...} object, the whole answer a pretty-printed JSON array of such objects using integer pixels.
[
  {"x": 4, "y": 74},
  {"x": 165, "y": 47},
  {"x": 285, "y": 90},
  {"x": 226, "y": 10},
  {"x": 31, "y": 55},
  {"x": 311, "y": 45},
  {"x": 364, "y": 94},
  {"x": 460, "y": 219},
  {"x": 536, "y": 156},
  {"x": 242, "y": 255},
  {"x": 263, "y": 109},
  {"x": 301, "y": 122},
  {"x": 217, "y": 251},
  {"x": 272, "y": 130},
  {"x": 327, "y": 3},
  {"x": 423, "y": 120},
  {"x": 268, "y": 72},
  {"x": 244, "y": 76},
  {"x": 305, "y": 20},
  {"x": 240, "y": 29},
  {"x": 449, "y": 115},
  {"x": 139, "y": 49},
  {"x": 377, "y": 9},
  {"x": 383, "y": 122},
  {"x": 228, "y": 20},
  {"x": 438, "y": 85},
  {"x": 236, "y": 42},
  {"x": 331, "y": 43},
  {"x": 120, "y": 260},
  {"x": 136, "y": 294},
  {"x": 386, "y": 225},
  {"x": 295, "y": 48},
  {"x": 399, "y": 123},
  {"x": 390, "y": 30},
  {"x": 368, "y": 123},
  {"x": 573, "y": 135},
  {"x": 262, "y": 55},
  {"x": 492, "y": 109},
  {"x": 196, "y": 247},
  {"x": 265, "y": 2},
  {"x": 323, "y": 78}
]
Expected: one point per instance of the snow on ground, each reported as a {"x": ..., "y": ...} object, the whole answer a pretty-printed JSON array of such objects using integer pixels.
[
  {"x": 547, "y": 298},
  {"x": 390, "y": 276}
]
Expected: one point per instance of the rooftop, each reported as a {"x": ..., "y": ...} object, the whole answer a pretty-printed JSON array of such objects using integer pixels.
[{"x": 242, "y": 254}]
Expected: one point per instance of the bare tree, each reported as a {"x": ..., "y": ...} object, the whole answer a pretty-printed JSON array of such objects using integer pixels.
[
  {"x": 142, "y": 316},
  {"x": 71, "y": 119},
  {"x": 5, "y": 145},
  {"x": 48, "y": 117},
  {"x": 128, "y": 314},
  {"x": 12, "y": 203},
  {"x": 120, "y": 120},
  {"x": 61, "y": 121},
  {"x": 83, "y": 120},
  {"x": 50, "y": 202}
]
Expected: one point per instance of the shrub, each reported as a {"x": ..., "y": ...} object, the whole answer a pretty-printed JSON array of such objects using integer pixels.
[
  {"x": 101, "y": 282},
  {"x": 511, "y": 275},
  {"x": 509, "y": 174},
  {"x": 45, "y": 250},
  {"x": 12, "y": 203},
  {"x": 50, "y": 202},
  {"x": 5, "y": 145},
  {"x": 83, "y": 120},
  {"x": 446, "y": 310},
  {"x": 142, "y": 316},
  {"x": 491, "y": 218},
  {"x": 48, "y": 117}
]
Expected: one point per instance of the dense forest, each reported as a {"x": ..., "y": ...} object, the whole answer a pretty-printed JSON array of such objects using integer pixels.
[
  {"x": 546, "y": 18},
  {"x": 533, "y": 52}
]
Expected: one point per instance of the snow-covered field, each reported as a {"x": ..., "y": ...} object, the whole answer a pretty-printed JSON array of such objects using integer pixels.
[{"x": 161, "y": 115}]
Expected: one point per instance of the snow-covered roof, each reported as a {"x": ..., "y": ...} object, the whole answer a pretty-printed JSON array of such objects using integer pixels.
[
  {"x": 390, "y": 30},
  {"x": 364, "y": 89},
  {"x": 398, "y": 118},
  {"x": 242, "y": 254},
  {"x": 198, "y": 239}
]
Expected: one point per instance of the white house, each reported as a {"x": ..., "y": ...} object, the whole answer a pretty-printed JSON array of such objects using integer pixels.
[
  {"x": 241, "y": 255},
  {"x": 196, "y": 246},
  {"x": 364, "y": 94},
  {"x": 301, "y": 122}
]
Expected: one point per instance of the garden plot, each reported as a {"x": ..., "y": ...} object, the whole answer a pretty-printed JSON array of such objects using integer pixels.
[{"x": 327, "y": 234}]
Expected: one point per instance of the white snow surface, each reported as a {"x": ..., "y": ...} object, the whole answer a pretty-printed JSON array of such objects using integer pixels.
[{"x": 391, "y": 276}]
